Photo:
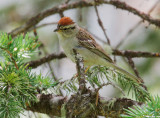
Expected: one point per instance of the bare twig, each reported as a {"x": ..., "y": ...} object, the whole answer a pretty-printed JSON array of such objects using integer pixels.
[
  {"x": 126, "y": 53},
  {"x": 121, "y": 5},
  {"x": 101, "y": 24},
  {"x": 45, "y": 59},
  {"x": 133, "y": 54},
  {"x": 153, "y": 7},
  {"x": 131, "y": 62},
  {"x": 67, "y": 1},
  {"x": 42, "y": 25},
  {"x": 61, "y": 14},
  {"x": 106, "y": 84},
  {"x": 128, "y": 34},
  {"x": 135, "y": 27},
  {"x": 110, "y": 83},
  {"x": 52, "y": 71},
  {"x": 80, "y": 71},
  {"x": 49, "y": 64},
  {"x": 80, "y": 16},
  {"x": 124, "y": 6},
  {"x": 45, "y": 52}
]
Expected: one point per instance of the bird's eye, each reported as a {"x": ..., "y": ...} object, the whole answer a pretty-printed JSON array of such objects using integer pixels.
[{"x": 65, "y": 29}]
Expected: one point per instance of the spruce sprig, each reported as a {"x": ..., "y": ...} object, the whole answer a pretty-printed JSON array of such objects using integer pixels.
[
  {"x": 18, "y": 85},
  {"x": 150, "y": 109},
  {"x": 97, "y": 76}
]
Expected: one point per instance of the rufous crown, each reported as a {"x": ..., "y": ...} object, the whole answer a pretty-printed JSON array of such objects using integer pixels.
[{"x": 65, "y": 21}]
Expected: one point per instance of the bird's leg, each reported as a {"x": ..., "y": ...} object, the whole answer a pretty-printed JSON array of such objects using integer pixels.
[
  {"x": 97, "y": 96},
  {"x": 87, "y": 69}
]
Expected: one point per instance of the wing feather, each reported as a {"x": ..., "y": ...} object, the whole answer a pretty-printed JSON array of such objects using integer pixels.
[{"x": 87, "y": 41}]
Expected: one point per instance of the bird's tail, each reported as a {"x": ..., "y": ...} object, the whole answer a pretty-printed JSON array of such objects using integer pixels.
[{"x": 129, "y": 75}]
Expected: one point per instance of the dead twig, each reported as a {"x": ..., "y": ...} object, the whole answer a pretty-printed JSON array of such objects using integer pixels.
[
  {"x": 131, "y": 63},
  {"x": 115, "y": 86},
  {"x": 135, "y": 27},
  {"x": 45, "y": 59},
  {"x": 126, "y": 53},
  {"x": 42, "y": 25},
  {"x": 135, "y": 54},
  {"x": 101, "y": 24},
  {"x": 78, "y": 4},
  {"x": 80, "y": 71},
  {"x": 49, "y": 64}
]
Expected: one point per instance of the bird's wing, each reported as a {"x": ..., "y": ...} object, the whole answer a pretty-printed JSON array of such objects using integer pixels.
[{"x": 87, "y": 41}]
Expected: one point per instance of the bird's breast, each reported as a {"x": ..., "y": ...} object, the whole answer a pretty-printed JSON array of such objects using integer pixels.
[{"x": 68, "y": 45}]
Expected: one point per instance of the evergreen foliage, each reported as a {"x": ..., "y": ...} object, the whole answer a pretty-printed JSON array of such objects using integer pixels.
[
  {"x": 98, "y": 76},
  {"x": 18, "y": 86},
  {"x": 150, "y": 109},
  {"x": 101, "y": 73}
]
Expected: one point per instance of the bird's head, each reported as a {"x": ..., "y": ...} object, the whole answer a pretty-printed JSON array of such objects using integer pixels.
[{"x": 66, "y": 27}]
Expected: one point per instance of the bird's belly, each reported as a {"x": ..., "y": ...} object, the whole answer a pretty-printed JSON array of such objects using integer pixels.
[
  {"x": 69, "y": 52},
  {"x": 91, "y": 58},
  {"x": 68, "y": 47}
]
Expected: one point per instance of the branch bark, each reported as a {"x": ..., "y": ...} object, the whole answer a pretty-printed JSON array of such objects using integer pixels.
[
  {"x": 101, "y": 24},
  {"x": 45, "y": 59},
  {"x": 131, "y": 63},
  {"x": 126, "y": 53},
  {"x": 133, "y": 54},
  {"x": 81, "y": 106},
  {"x": 136, "y": 26},
  {"x": 80, "y": 71},
  {"x": 78, "y": 4}
]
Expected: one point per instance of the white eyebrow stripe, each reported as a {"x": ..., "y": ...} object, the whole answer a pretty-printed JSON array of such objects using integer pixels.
[{"x": 67, "y": 26}]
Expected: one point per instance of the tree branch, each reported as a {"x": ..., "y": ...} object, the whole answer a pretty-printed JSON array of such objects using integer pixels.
[
  {"x": 101, "y": 24},
  {"x": 45, "y": 59},
  {"x": 80, "y": 71},
  {"x": 131, "y": 63},
  {"x": 133, "y": 54},
  {"x": 59, "y": 9},
  {"x": 135, "y": 27},
  {"x": 126, "y": 53},
  {"x": 124, "y": 6},
  {"x": 52, "y": 105},
  {"x": 42, "y": 25}
]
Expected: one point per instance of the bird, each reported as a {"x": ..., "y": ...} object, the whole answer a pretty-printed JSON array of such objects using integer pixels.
[{"x": 73, "y": 37}]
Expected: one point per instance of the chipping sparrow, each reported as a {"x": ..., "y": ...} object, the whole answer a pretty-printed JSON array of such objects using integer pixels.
[{"x": 71, "y": 37}]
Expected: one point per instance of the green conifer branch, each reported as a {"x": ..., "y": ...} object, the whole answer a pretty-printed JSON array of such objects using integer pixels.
[{"x": 18, "y": 86}]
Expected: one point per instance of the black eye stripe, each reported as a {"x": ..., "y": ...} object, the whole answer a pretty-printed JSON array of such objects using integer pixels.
[{"x": 68, "y": 28}]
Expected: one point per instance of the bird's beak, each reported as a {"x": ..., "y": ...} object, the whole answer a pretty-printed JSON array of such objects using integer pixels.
[{"x": 56, "y": 30}]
